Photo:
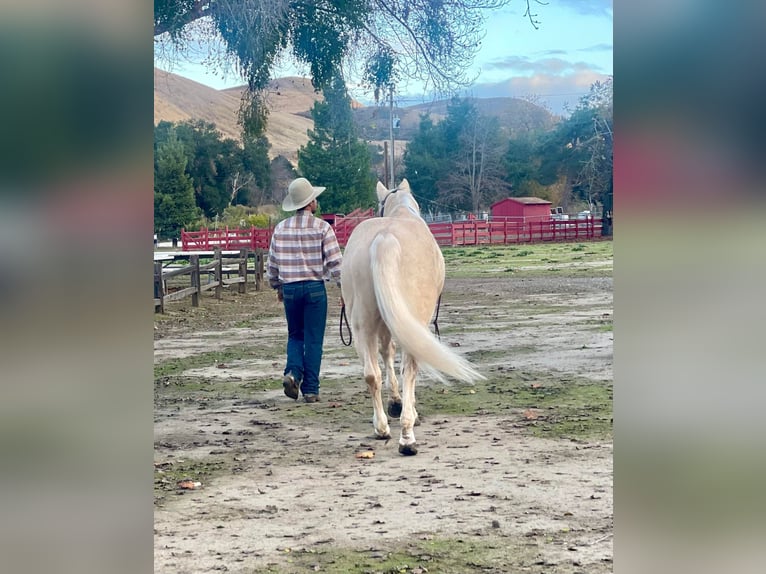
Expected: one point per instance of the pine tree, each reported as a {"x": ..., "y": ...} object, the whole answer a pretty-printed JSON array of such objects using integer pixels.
[
  {"x": 426, "y": 160},
  {"x": 174, "y": 205},
  {"x": 334, "y": 157}
]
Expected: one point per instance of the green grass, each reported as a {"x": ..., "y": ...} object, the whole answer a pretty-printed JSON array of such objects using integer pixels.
[
  {"x": 565, "y": 407},
  {"x": 425, "y": 553},
  {"x": 173, "y": 367},
  {"x": 593, "y": 259},
  {"x": 167, "y": 475},
  {"x": 173, "y": 385}
]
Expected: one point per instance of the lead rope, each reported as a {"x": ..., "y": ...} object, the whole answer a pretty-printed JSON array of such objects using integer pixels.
[
  {"x": 436, "y": 319},
  {"x": 343, "y": 319}
]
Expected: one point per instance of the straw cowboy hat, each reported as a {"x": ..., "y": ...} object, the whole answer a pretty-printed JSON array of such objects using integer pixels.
[{"x": 300, "y": 194}]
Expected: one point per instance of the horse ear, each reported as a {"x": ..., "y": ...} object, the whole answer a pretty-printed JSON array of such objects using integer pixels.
[
  {"x": 405, "y": 185},
  {"x": 381, "y": 191}
]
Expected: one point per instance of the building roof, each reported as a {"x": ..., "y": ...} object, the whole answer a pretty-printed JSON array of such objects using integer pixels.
[{"x": 525, "y": 201}]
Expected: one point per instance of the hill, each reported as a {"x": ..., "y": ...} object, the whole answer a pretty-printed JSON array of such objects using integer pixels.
[
  {"x": 514, "y": 115},
  {"x": 290, "y": 100}
]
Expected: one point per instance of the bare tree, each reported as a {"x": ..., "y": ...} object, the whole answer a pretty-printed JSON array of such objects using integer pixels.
[
  {"x": 237, "y": 182},
  {"x": 477, "y": 177}
]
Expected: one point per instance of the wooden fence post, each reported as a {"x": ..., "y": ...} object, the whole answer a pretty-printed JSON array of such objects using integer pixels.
[
  {"x": 243, "y": 255},
  {"x": 159, "y": 288},
  {"x": 259, "y": 264},
  {"x": 195, "y": 279},
  {"x": 218, "y": 272}
]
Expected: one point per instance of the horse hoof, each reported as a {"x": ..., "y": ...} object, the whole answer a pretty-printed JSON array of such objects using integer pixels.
[
  {"x": 394, "y": 408},
  {"x": 408, "y": 449}
]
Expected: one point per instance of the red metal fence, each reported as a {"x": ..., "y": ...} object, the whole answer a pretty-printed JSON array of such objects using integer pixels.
[
  {"x": 477, "y": 231},
  {"x": 225, "y": 239},
  {"x": 471, "y": 232},
  {"x": 345, "y": 224}
]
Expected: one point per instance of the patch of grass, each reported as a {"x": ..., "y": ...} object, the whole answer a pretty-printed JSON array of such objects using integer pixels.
[
  {"x": 170, "y": 367},
  {"x": 537, "y": 257},
  {"x": 471, "y": 553},
  {"x": 562, "y": 407},
  {"x": 483, "y": 356},
  {"x": 168, "y": 474}
]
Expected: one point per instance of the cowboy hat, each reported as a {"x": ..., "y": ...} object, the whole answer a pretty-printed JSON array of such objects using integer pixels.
[{"x": 300, "y": 194}]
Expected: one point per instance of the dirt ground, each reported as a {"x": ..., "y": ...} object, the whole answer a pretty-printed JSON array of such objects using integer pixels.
[{"x": 513, "y": 474}]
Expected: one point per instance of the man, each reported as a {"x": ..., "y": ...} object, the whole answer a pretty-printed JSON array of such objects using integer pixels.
[{"x": 303, "y": 251}]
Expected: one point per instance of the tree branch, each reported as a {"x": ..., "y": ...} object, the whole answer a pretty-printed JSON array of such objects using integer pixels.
[{"x": 199, "y": 9}]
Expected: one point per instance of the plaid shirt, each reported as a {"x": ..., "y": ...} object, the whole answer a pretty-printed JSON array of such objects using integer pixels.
[{"x": 303, "y": 248}]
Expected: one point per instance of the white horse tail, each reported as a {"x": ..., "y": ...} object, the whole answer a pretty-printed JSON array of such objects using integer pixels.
[{"x": 410, "y": 334}]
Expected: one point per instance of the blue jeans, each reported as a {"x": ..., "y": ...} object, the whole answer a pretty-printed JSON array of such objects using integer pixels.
[{"x": 306, "y": 312}]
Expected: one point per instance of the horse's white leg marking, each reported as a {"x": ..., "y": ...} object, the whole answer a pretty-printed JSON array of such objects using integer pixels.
[
  {"x": 407, "y": 443},
  {"x": 368, "y": 350}
]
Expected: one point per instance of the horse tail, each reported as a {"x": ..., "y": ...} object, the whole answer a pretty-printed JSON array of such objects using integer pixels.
[{"x": 411, "y": 335}]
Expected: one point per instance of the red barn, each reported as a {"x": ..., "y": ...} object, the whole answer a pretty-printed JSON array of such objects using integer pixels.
[{"x": 522, "y": 209}]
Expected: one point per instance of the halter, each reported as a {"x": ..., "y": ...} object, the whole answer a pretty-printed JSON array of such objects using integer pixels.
[{"x": 383, "y": 203}]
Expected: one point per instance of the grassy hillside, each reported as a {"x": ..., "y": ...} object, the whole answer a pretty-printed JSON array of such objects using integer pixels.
[{"x": 290, "y": 100}]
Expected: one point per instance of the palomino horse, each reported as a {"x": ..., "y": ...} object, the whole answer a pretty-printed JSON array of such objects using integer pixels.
[{"x": 392, "y": 276}]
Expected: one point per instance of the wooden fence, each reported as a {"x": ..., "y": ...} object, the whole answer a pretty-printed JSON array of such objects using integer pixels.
[
  {"x": 470, "y": 232},
  {"x": 215, "y": 269}
]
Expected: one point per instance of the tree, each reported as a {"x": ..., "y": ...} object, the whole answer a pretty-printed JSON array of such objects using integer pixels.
[
  {"x": 521, "y": 163},
  {"x": 432, "y": 41},
  {"x": 282, "y": 173},
  {"x": 457, "y": 163},
  {"x": 580, "y": 149},
  {"x": 255, "y": 161},
  {"x": 597, "y": 174},
  {"x": 477, "y": 175},
  {"x": 221, "y": 171},
  {"x": 334, "y": 156},
  {"x": 426, "y": 160},
  {"x": 174, "y": 206}
]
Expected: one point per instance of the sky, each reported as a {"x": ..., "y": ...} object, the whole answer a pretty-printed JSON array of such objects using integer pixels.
[{"x": 554, "y": 64}]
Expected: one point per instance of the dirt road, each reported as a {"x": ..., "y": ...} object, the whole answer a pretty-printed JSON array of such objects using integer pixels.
[{"x": 513, "y": 474}]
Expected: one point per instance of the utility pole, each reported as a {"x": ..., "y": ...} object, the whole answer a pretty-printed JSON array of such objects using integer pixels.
[
  {"x": 386, "y": 170},
  {"x": 391, "y": 131}
]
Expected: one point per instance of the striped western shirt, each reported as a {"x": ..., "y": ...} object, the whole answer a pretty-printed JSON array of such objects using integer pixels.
[{"x": 303, "y": 248}]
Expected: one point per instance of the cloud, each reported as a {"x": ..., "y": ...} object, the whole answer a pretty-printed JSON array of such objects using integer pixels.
[
  {"x": 552, "y": 66},
  {"x": 556, "y": 90},
  {"x": 597, "y": 48}
]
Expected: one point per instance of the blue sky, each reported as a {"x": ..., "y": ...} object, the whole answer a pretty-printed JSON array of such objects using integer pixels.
[{"x": 554, "y": 64}]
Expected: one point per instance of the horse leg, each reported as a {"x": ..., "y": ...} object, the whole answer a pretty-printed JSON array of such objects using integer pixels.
[
  {"x": 407, "y": 443},
  {"x": 388, "y": 352},
  {"x": 374, "y": 379}
]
